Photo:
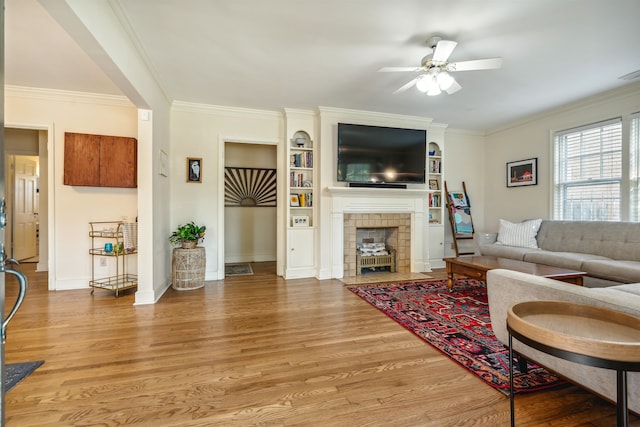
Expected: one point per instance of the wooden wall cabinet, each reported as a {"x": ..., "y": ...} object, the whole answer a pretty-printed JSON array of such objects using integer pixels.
[{"x": 100, "y": 160}]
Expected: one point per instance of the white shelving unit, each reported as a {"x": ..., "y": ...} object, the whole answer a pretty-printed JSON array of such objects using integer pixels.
[
  {"x": 301, "y": 180},
  {"x": 437, "y": 203},
  {"x": 302, "y": 190}
]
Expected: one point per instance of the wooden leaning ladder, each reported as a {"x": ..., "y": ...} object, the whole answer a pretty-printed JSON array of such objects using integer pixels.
[{"x": 460, "y": 218}]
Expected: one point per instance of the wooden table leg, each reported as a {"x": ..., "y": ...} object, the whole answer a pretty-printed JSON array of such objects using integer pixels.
[{"x": 449, "y": 275}]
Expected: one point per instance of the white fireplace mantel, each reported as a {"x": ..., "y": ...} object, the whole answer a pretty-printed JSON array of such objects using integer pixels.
[{"x": 379, "y": 200}]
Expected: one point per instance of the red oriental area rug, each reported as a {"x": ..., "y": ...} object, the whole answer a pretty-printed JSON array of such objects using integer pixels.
[{"x": 458, "y": 324}]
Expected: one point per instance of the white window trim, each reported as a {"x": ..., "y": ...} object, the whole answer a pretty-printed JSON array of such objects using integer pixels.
[{"x": 627, "y": 212}]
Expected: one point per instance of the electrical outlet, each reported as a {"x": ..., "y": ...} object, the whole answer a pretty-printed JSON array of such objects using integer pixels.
[{"x": 103, "y": 261}]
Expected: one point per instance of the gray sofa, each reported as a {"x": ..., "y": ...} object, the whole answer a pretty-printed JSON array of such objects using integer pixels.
[
  {"x": 609, "y": 252},
  {"x": 506, "y": 288}
]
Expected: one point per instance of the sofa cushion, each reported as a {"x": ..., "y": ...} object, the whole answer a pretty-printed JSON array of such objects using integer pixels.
[
  {"x": 631, "y": 288},
  {"x": 570, "y": 260},
  {"x": 521, "y": 234},
  {"x": 504, "y": 251},
  {"x": 615, "y": 240},
  {"x": 616, "y": 270}
]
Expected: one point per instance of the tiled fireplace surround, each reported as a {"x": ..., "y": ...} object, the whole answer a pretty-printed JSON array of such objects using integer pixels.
[
  {"x": 353, "y": 208},
  {"x": 402, "y": 244}
]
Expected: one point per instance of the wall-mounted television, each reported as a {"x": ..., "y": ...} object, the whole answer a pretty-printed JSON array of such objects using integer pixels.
[{"x": 381, "y": 155}]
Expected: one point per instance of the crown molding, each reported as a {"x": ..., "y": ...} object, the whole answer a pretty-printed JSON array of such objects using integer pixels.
[
  {"x": 384, "y": 119},
  {"x": 221, "y": 110},
  {"x": 57, "y": 95},
  {"x": 629, "y": 90}
]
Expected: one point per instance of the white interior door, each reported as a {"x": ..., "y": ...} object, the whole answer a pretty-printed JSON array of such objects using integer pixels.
[{"x": 25, "y": 244}]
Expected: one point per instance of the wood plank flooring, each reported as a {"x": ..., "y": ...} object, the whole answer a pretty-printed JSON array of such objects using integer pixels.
[{"x": 250, "y": 350}]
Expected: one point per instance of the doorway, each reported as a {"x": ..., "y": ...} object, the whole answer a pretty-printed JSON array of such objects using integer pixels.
[
  {"x": 250, "y": 216},
  {"x": 25, "y": 178}
]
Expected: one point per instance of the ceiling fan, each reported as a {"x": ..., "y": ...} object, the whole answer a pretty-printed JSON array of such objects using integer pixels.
[{"x": 436, "y": 71}]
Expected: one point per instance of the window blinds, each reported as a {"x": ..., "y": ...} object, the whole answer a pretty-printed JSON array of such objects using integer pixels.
[{"x": 588, "y": 172}]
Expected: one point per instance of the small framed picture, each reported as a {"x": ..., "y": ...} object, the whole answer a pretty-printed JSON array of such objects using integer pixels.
[
  {"x": 300, "y": 220},
  {"x": 522, "y": 172},
  {"x": 194, "y": 169},
  {"x": 294, "y": 200},
  {"x": 433, "y": 184}
]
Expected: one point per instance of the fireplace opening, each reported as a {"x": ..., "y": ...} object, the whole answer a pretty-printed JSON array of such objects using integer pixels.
[{"x": 376, "y": 249}]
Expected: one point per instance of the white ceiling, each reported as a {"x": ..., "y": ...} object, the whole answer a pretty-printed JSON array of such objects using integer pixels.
[{"x": 272, "y": 54}]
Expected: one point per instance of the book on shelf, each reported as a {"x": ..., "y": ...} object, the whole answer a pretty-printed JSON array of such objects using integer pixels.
[
  {"x": 434, "y": 200},
  {"x": 303, "y": 200},
  {"x": 302, "y": 160}
]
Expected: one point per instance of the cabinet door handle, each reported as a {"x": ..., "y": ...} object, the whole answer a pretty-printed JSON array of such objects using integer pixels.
[{"x": 22, "y": 280}]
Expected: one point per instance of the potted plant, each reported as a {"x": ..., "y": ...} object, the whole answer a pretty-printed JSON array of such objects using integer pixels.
[{"x": 188, "y": 235}]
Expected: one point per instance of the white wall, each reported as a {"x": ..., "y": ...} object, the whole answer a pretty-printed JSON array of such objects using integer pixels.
[
  {"x": 533, "y": 138},
  {"x": 201, "y": 131},
  {"x": 464, "y": 162},
  {"x": 74, "y": 207},
  {"x": 250, "y": 232}
]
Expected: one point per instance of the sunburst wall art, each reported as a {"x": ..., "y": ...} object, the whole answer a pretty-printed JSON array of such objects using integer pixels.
[{"x": 249, "y": 187}]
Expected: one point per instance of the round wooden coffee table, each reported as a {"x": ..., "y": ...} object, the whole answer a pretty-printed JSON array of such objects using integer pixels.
[{"x": 585, "y": 334}]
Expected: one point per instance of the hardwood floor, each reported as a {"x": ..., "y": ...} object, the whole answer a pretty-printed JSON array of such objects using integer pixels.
[{"x": 250, "y": 350}]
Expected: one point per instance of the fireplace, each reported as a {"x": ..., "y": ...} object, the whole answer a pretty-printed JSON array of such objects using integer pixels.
[
  {"x": 393, "y": 229},
  {"x": 353, "y": 208}
]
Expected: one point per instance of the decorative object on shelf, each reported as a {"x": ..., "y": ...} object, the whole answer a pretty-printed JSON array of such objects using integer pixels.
[
  {"x": 300, "y": 139},
  {"x": 522, "y": 172},
  {"x": 307, "y": 183},
  {"x": 194, "y": 169},
  {"x": 300, "y": 220},
  {"x": 188, "y": 235},
  {"x": 294, "y": 200},
  {"x": 433, "y": 184},
  {"x": 108, "y": 247},
  {"x": 250, "y": 187}
]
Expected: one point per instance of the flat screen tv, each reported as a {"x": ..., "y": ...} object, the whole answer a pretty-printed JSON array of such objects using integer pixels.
[{"x": 380, "y": 155}]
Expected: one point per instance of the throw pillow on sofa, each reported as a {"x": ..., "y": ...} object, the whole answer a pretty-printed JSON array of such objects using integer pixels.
[{"x": 521, "y": 234}]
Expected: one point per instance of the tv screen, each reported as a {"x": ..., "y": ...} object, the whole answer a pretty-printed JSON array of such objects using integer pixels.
[{"x": 375, "y": 154}]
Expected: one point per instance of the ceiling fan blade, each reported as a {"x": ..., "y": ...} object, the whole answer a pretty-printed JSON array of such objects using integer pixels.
[
  {"x": 443, "y": 50},
  {"x": 396, "y": 69},
  {"x": 454, "y": 88},
  {"x": 478, "y": 64},
  {"x": 406, "y": 86}
]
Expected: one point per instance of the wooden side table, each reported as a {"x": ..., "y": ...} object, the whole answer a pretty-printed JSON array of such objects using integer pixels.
[
  {"x": 585, "y": 334},
  {"x": 188, "y": 268}
]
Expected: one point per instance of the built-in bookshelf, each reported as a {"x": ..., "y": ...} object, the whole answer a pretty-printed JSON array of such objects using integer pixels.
[
  {"x": 301, "y": 188},
  {"x": 435, "y": 184},
  {"x": 301, "y": 210}
]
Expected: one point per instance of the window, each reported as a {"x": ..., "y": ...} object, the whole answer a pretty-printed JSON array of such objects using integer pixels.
[{"x": 588, "y": 172}]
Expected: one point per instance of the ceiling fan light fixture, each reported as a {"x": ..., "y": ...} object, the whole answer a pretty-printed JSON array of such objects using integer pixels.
[
  {"x": 434, "y": 90},
  {"x": 423, "y": 83},
  {"x": 445, "y": 80}
]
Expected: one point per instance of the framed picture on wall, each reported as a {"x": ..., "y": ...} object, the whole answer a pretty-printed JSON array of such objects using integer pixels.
[
  {"x": 522, "y": 172},
  {"x": 194, "y": 169}
]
